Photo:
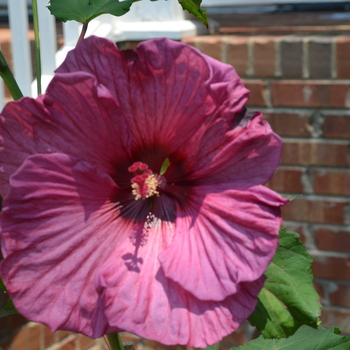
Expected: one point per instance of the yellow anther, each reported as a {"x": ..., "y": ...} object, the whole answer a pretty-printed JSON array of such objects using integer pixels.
[{"x": 147, "y": 188}]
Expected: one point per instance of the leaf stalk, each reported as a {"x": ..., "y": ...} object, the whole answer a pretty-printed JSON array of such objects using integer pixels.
[{"x": 37, "y": 45}]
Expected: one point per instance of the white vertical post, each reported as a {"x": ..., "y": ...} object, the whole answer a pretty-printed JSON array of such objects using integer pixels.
[
  {"x": 71, "y": 32},
  {"x": 48, "y": 39},
  {"x": 18, "y": 16}
]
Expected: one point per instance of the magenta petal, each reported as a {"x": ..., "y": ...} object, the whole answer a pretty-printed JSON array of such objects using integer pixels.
[
  {"x": 249, "y": 152},
  {"x": 227, "y": 235},
  {"x": 169, "y": 91},
  {"x": 90, "y": 117},
  {"x": 95, "y": 238},
  {"x": 143, "y": 301},
  {"x": 58, "y": 226}
]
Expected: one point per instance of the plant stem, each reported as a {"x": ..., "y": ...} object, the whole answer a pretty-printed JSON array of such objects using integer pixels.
[
  {"x": 83, "y": 32},
  {"x": 37, "y": 45},
  {"x": 8, "y": 78},
  {"x": 115, "y": 342}
]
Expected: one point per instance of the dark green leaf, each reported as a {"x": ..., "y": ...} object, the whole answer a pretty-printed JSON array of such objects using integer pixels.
[
  {"x": 84, "y": 11},
  {"x": 2, "y": 286},
  {"x": 8, "y": 309},
  {"x": 306, "y": 338},
  {"x": 288, "y": 299},
  {"x": 193, "y": 6}
]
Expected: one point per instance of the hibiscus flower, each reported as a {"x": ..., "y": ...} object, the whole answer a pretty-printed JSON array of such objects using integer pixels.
[{"x": 134, "y": 198}]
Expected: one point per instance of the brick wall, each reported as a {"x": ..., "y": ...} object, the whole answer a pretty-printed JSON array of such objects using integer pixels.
[{"x": 302, "y": 84}]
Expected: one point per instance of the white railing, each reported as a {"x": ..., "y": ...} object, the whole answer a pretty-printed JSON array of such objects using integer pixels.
[{"x": 145, "y": 20}]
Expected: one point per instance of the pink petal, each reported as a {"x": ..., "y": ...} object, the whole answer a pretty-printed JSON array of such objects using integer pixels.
[
  {"x": 90, "y": 117},
  {"x": 143, "y": 301},
  {"x": 59, "y": 224},
  {"x": 168, "y": 90},
  {"x": 179, "y": 99},
  {"x": 226, "y": 235},
  {"x": 249, "y": 151}
]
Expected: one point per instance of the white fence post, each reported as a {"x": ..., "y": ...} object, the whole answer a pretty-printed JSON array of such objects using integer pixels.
[
  {"x": 18, "y": 16},
  {"x": 71, "y": 31},
  {"x": 48, "y": 38}
]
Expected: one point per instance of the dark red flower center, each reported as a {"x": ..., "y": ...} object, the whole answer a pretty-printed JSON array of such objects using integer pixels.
[{"x": 145, "y": 183}]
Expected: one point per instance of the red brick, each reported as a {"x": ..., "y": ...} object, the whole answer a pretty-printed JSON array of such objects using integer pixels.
[
  {"x": 337, "y": 127},
  {"x": 343, "y": 57},
  {"x": 310, "y": 94},
  {"x": 257, "y": 95},
  {"x": 331, "y": 267},
  {"x": 320, "y": 290},
  {"x": 316, "y": 153},
  {"x": 298, "y": 228},
  {"x": 336, "y": 318},
  {"x": 68, "y": 345},
  {"x": 62, "y": 334},
  {"x": 237, "y": 338},
  {"x": 210, "y": 45},
  {"x": 316, "y": 211},
  {"x": 158, "y": 346},
  {"x": 292, "y": 57},
  {"x": 190, "y": 41},
  {"x": 289, "y": 124},
  {"x": 341, "y": 297},
  {"x": 6, "y": 49},
  {"x": 129, "y": 337},
  {"x": 34, "y": 336},
  {"x": 237, "y": 54},
  {"x": 332, "y": 182},
  {"x": 334, "y": 240},
  {"x": 6, "y": 344},
  {"x": 3, "y": 327},
  {"x": 49, "y": 337},
  {"x": 287, "y": 180},
  {"x": 264, "y": 57},
  {"x": 19, "y": 340},
  {"x": 85, "y": 342},
  {"x": 16, "y": 321},
  {"x": 320, "y": 57}
]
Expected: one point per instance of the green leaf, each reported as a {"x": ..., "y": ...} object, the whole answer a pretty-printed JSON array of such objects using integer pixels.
[
  {"x": 305, "y": 338},
  {"x": 8, "y": 309},
  {"x": 164, "y": 166},
  {"x": 213, "y": 347},
  {"x": 290, "y": 197},
  {"x": 84, "y": 11},
  {"x": 193, "y": 6},
  {"x": 288, "y": 299},
  {"x": 2, "y": 286}
]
